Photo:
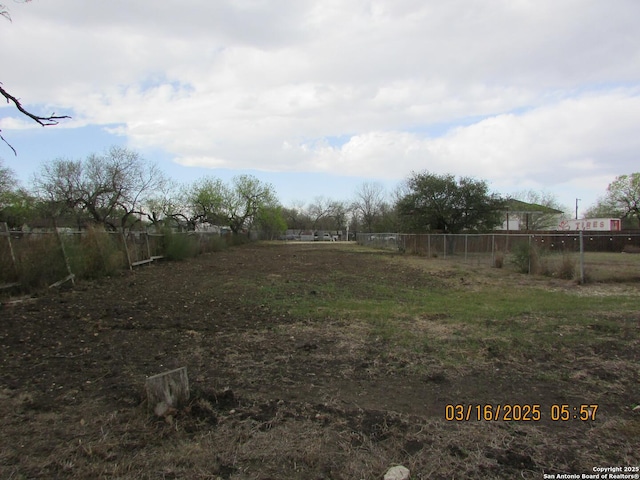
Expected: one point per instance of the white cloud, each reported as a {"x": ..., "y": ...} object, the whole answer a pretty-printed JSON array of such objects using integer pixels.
[
  {"x": 544, "y": 146},
  {"x": 522, "y": 92}
]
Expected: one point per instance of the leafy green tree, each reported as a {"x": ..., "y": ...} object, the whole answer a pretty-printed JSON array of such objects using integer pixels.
[
  {"x": 624, "y": 195},
  {"x": 440, "y": 202},
  {"x": 205, "y": 202},
  {"x": 270, "y": 221},
  {"x": 8, "y": 180},
  {"x": 17, "y": 205},
  {"x": 604, "y": 207},
  {"x": 18, "y": 208},
  {"x": 244, "y": 201},
  {"x": 236, "y": 206}
]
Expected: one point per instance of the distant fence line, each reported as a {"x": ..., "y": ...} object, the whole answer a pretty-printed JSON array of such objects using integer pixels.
[
  {"x": 53, "y": 257},
  {"x": 536, "y": 251}
]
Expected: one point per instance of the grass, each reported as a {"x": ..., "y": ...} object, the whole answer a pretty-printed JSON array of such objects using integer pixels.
[
  {"x": 341, "y": 359},
  {"x": 612, "y": 267},
  {"x": 94, "y": 253},
  {"x": 452, "y": 310}
]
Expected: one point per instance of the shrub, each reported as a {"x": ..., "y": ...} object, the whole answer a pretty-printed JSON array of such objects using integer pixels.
[
  {"x": 42, "y": 263},
  {"x": 526, "y": 258},
  {"x": 213, "y": 243},
  {"x": 237, "y": 239},
  {"x": 96, "y": 254},
  {"x": 567, "y": 268},
  {"x": 178, "y": 246},
  {"x": 498, "y": 261}
]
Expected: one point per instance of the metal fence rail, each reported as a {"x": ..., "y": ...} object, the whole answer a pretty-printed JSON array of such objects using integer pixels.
[{"x": 598, "y": 256}]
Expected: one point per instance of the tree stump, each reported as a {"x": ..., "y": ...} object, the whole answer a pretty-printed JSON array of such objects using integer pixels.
[{"x": 168, "y": 391}]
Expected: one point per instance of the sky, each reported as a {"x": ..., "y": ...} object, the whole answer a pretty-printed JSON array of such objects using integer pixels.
[{"x": 319, "y": 97}]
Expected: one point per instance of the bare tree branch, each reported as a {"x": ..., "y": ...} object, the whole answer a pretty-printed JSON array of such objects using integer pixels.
[
  {"x": 44, "y": 121},
  {"x": 4, "y": 12}
]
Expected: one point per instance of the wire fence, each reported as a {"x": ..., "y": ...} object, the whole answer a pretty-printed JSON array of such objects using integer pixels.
[
  {"x": 53, "y": 257},
  {"x": 584, "y": 256}
]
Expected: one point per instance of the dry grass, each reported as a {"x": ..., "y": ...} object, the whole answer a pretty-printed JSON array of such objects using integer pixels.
[{"x": 303, "y": 370}]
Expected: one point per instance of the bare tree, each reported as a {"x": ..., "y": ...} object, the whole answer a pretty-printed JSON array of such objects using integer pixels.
[
  {"x": 297, "y": 218},
  {"x": 167, "y": 206},
  {"x": 60, "y": 186},
  {"x": 340, "y": 214},
  {"x": 110, "y": 189},
  {"x": 320, "y": 212},
  {"x": 368, "y": 203}
]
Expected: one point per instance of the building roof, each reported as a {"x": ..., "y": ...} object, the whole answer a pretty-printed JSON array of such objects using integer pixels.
[{"x": 517, "y": 206}]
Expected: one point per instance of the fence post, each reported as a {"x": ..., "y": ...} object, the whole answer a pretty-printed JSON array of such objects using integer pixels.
[
  {"x": 444, "y": 240},
  {"x": 71, "y": 276},
  {"x": 493, "y": 249},
  {"x": 146, "y": 235},
  {"x": 530, "y": 253},
  {"x": 581, "y": 258},
  {"x": 466, "y": 240},
  {"x": 126, "y": 249},
  {"x": 13, "y": 255}
]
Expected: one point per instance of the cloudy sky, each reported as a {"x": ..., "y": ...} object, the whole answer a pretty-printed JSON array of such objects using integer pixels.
[{"x": 317, "y": 97}]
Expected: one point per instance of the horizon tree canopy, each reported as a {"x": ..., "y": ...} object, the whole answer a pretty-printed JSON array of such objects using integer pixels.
[{"x": 440, "y": 202}]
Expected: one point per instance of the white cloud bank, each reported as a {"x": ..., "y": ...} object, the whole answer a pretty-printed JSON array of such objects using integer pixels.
[{"x": 525, "y": 94}]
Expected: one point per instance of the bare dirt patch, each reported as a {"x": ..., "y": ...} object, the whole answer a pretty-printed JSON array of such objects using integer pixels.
[{"x": 277, "y": 394}]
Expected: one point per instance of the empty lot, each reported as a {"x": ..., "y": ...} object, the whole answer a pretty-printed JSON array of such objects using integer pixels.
[{"x": 321, "y": 362}]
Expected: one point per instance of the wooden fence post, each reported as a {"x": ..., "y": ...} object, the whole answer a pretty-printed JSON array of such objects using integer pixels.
[
  {"x": 126, "y": 249},
  {"x": 70, "y": 275},
  {"x": 14, "y": 263},
  {"x": 13, "y": 255}
]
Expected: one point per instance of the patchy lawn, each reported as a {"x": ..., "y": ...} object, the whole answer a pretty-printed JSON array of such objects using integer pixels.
[{"x": 321, "y": 362}]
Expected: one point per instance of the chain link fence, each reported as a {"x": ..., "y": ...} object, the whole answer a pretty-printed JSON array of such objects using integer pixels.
[
  {"x": 584, "y": 256},
  {"x": 49, "y": 258}
]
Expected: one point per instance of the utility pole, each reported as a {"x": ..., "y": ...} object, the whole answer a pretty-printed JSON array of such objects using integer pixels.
[{"x": 577, "y": 200}]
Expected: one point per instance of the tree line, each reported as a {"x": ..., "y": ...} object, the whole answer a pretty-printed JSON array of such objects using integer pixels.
[{"x": 121, "y": 190}]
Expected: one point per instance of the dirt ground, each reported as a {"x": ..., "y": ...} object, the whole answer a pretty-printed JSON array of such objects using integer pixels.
[{"x": 274, "y": 395}]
